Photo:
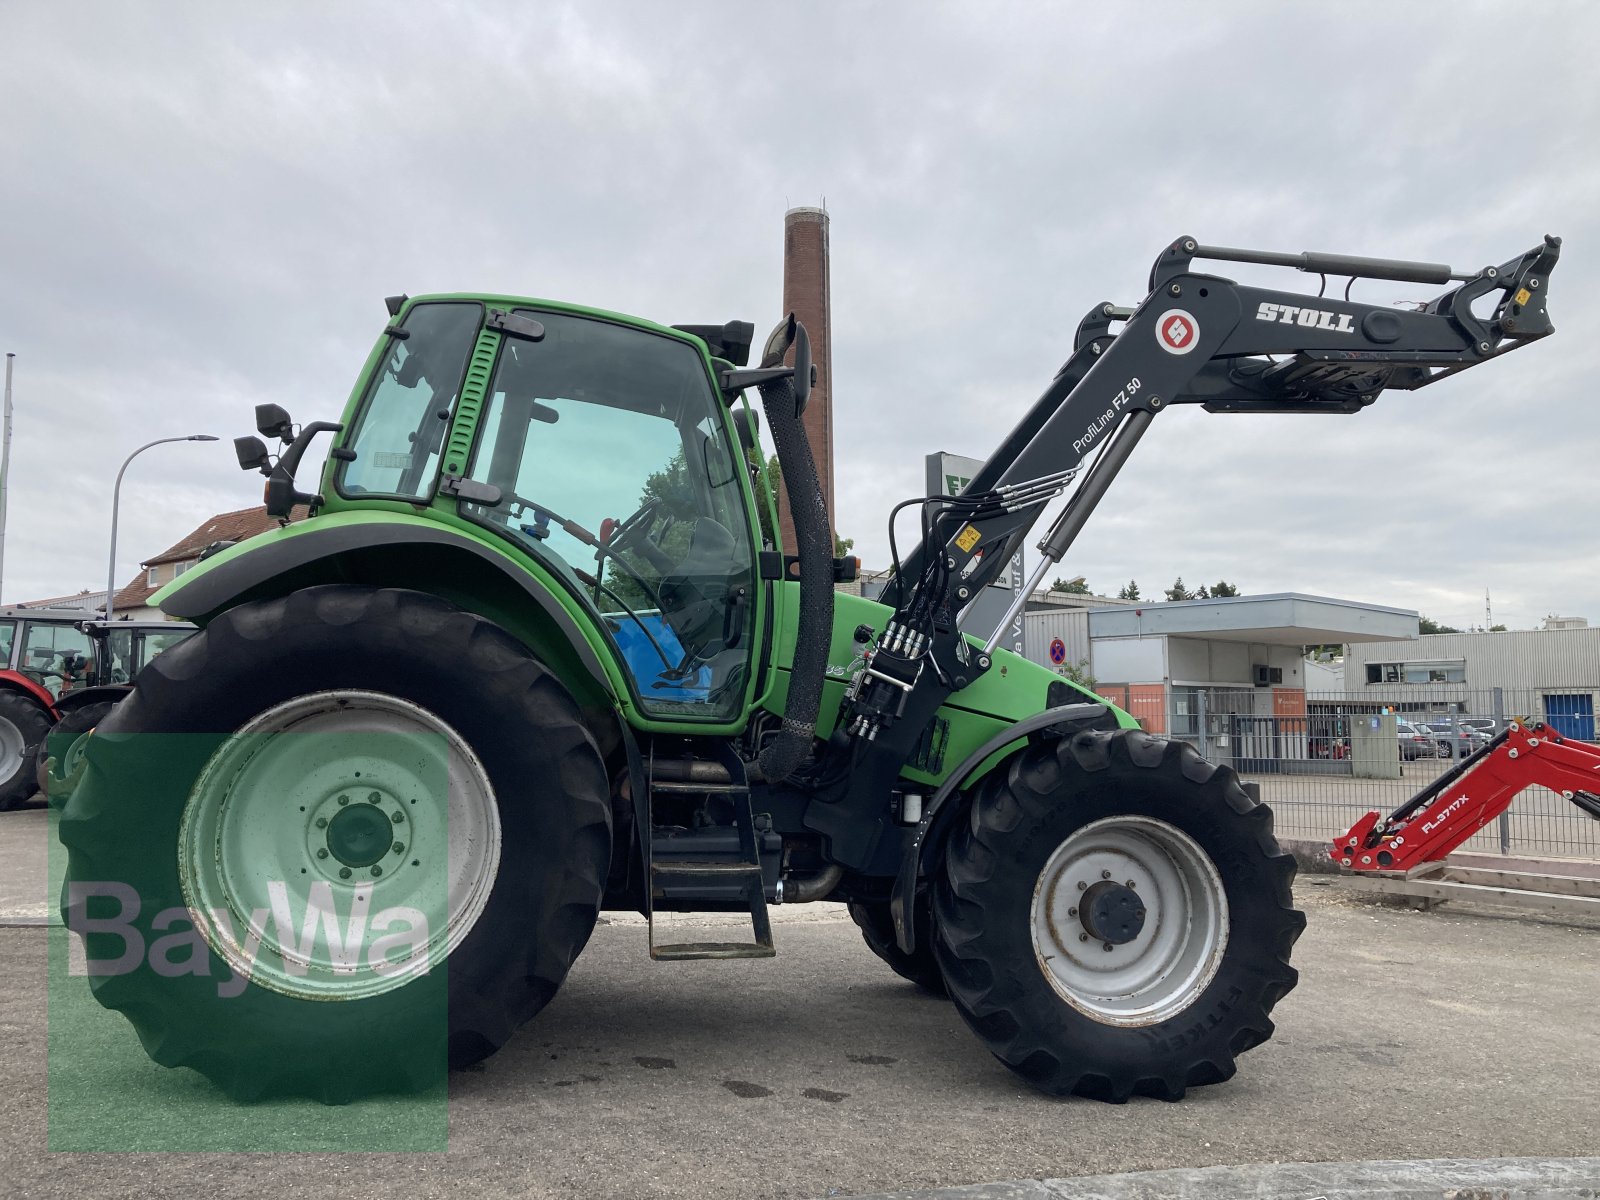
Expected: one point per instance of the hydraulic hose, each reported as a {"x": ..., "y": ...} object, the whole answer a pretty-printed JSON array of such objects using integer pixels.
[{"x": 814, "y": 545}]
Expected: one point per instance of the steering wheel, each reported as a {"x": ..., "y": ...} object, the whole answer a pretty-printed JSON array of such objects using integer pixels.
[{"x": 634, "y": 533}]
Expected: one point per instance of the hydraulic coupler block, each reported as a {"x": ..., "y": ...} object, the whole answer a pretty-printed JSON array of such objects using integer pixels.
[{"x": 890, "y": 672}]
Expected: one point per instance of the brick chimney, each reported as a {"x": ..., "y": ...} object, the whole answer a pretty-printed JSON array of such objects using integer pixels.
[{"x": 805, "y": 293}]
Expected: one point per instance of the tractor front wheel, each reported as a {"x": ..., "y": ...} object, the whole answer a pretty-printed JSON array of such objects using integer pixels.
[
  {"x": 335, "y": 842},
  {"x": 877, "y": 930},
  {"x": 1115, "y": 917}
]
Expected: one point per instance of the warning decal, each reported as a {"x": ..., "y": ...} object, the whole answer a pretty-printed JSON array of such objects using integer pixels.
[{"x": 968, "y": 538}]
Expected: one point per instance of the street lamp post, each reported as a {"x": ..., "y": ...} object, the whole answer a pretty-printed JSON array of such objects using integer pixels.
[{"x": 116, "y": 499}]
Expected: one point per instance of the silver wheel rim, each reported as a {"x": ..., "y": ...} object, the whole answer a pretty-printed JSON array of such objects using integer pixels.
[
  {"x": 11, "y": 748},
  {"x": 1174, "y": 956},
  {"x": 271, "y": 834}
]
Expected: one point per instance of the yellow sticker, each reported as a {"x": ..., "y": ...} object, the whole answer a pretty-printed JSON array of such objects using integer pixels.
[
  {"x": 968, "y": 538},
  {"x": 1522, "y": 297}
]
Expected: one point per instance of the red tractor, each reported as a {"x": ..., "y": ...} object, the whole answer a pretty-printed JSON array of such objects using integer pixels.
[{"x": 60, "y": 674}]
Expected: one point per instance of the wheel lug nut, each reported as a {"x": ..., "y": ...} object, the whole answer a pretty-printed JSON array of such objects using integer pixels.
[
  {"x": 1082, "y": 885},
  {"x": 373, "y": 797},
  {"x": 322, "y": 853},
  {"x": 344, "y": 872},
  {"x": 344, "y": 799},
  {"x": 1107, "y": 946},
  {"x": 1132, "y": 884},
  {"x": 1083, "y": 937},
  {"x": 376, "y": 871},
  {"x": 1105, "y": 874},
  {"x": 322, "y": 822},
  {"x": 1072, "y": 912},
  {"x": 399, "y": 847},
  {"x": 399, "y": 817}
]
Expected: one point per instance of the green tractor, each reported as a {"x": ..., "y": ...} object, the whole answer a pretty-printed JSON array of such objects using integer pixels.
[{"x": 531, "y": 656}]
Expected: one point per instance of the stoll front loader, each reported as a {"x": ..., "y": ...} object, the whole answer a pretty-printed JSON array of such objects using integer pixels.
[{"x": 531, "y": 657}]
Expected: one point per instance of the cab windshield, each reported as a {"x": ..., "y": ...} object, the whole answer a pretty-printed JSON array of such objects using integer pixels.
[{"x": 606, "y": 444}]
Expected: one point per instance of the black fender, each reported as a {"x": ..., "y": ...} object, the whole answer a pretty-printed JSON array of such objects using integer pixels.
[
  {"x": 380, "y": 554},
  {"x": 83, "y": 697},
  {"x": 938, "y": 813}
]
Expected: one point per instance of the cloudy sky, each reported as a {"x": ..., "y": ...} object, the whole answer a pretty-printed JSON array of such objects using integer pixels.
[{"x": 201, "y": 207}]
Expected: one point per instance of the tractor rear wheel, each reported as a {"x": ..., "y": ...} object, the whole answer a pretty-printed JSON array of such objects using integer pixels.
[
  {"x": 1115, "y": 917},
  {"x": 334, "y": 842},
  {"x": 877, "y": 930},
  {"x": 23, "y": 725}
]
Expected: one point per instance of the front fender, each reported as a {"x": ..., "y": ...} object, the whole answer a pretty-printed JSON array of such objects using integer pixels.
[
  {"x": 83, "y": 697},
  {"x": 937, "y": 813}
]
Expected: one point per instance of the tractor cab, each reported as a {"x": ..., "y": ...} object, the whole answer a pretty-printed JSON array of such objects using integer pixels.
[{"x": 601, "y": 450}]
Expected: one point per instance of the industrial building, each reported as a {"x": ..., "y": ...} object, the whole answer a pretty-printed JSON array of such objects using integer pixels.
[{"x": 1551, "y": 673}]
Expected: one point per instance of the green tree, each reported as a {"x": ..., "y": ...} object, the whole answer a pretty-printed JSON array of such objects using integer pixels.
[
  {"x": 775, "y": 478},
  {"x": 1178, "y": 592},
  {"x": 1131, "y": 592},
  {"x": 1079, "y": 673},
  {"x": 841, "y": 545},
  {"x": 1493, "y": 628},
  {"x": 1223, "y": 588},
  {"x": 674, "y": 495},
  {"x": 1428, "y": 625},
  {"x": 1076, "y": 587}
]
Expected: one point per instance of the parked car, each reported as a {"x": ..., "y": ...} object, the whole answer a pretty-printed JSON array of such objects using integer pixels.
[
  {"x": 1455, "y": 740},
  {"x": 1486, "y": 725},
  {"x": 1415, "y": 742}
]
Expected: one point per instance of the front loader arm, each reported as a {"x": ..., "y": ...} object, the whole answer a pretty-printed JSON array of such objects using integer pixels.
[
  {"x": 1202, "y": 339},
  {"x": 1441, "y": 817},
  {"x": 1195, "y": 338}
]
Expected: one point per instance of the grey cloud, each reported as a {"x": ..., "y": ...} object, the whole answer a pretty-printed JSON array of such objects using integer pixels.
[{"x": 200, "y": 209}]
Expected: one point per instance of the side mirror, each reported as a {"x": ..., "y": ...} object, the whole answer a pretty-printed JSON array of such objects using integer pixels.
[
  {"x": 719, "y": 468},
  {"x": 789, "y": 332},
  {"x": 747, "y": 424},
  {"x": 272, "y": 421},
  {"x": 804, "y": 372},
  {"x": 251, "y": 452}
]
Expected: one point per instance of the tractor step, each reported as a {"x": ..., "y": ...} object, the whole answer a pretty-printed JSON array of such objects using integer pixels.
[
  {"x": 691, "y": 869},
  {"x": 718, "y": 867}
]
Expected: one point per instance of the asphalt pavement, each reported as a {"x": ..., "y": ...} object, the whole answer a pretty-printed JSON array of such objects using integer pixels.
[{"x": 1438, "y": 1035}]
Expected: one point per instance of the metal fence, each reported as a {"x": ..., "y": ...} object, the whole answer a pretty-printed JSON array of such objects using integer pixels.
[{"x": 1320, "y": 763}]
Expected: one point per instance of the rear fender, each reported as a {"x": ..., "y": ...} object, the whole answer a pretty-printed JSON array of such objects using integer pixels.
[
  {"x": 397, "y": 552},
  {"x": 83, "y": 697},
  {"x": 15, "y": 681}
]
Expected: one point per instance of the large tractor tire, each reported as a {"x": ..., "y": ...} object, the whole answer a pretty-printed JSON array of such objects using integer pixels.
[
  {"x": 1114, "y": 917},
  {"x": 391, "y": 821},
  {"x": 23, "y": 726},
  {"x": 60, "y": 761},
  {"x": 877, "y": 930}
]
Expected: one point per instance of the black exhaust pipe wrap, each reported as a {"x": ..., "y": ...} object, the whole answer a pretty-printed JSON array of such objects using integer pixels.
[{"x": 814, "y": 538}]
